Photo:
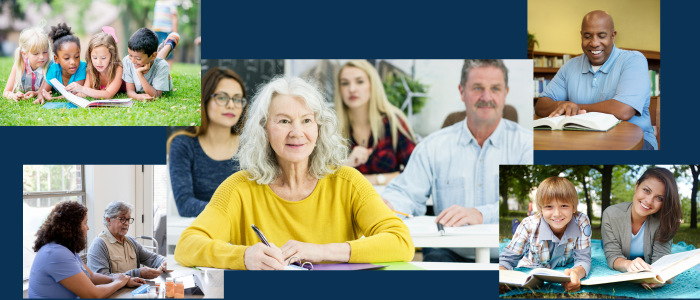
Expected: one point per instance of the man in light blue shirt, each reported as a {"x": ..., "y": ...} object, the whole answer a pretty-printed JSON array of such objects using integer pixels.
[
  {"x": 458, "y": 165},
  {"x": 606, "y": 79}
]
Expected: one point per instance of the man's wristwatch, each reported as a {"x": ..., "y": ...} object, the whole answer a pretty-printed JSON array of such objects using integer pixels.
[{"x": 381, "y": 179}]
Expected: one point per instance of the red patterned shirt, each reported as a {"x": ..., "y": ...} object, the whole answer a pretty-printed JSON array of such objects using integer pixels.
[{"x": 384, "y": 159}]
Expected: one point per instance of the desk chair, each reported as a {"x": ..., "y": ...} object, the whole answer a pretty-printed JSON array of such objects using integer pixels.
[
  {"x": 509, "y": 113},
  {"x": 655, "y": 113}
]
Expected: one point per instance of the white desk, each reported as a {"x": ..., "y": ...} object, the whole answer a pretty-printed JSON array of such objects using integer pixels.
[
  {"x": 447, "y": 266},
  {"x": 176, "y": 225},
  {"x": 482, "y": 237},
  {"x": 173, "y": 265}
]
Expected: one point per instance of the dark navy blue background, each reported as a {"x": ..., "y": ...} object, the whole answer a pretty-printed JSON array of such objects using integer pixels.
[{"x": 370, "y": 29}]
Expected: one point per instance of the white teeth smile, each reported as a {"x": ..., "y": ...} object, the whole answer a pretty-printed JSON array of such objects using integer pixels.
[
  {"x": 596, "y": 52},
  {"x": 643, "y": 206},
  {"x": 557, "y": 221}
]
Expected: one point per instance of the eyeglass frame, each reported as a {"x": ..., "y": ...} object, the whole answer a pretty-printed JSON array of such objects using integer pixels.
[
  {"x": 124, "y": 220},
  {"x": 229, "y": 99}
]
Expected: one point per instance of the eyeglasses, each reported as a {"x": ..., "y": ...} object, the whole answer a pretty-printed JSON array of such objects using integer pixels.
[
  {"x": 123, "y": 220},
  {"x": 222, "y": 100}
]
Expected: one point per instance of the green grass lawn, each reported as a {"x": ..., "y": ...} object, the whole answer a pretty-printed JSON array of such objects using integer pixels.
[
  {"x": 181, "y": 107},
  {"x": 685, "y": 233}
]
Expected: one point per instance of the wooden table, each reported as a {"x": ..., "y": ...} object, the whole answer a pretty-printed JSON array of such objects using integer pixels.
[
  {"x": 624, "y": 136},
  {"x": 212, "y": 281}
]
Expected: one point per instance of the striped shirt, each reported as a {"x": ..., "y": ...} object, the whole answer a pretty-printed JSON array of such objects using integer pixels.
[
  {"x": 534, "y": 245},
  {"x": 162, "y": 15}
]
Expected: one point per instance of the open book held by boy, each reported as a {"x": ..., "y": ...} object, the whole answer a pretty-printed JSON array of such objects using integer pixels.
[{"x": 557, "y": 235}]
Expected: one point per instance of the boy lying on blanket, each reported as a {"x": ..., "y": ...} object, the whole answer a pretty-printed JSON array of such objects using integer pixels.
[{"x": 564, "y": 236}]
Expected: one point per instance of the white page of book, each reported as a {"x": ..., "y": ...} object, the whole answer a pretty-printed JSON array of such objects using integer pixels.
[
  {"x": 69, "y": 96},
  {"x": 555, "y": 120},
  {"x": 670, "y": 260},
  {"x": 603, "y": 120},
  {"x": 512, "y": 277}
]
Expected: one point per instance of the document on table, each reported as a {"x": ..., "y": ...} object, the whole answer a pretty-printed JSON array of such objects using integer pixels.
[{"x": 426, "y": 226}]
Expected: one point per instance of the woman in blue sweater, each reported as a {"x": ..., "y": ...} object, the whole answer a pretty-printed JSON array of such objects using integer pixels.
[{"x": 200, "y": 158}]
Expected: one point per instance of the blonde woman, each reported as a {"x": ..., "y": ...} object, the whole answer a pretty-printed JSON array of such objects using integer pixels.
[
  {"x": 380, "y": 136},
  {"x": 294, "y": 188}
]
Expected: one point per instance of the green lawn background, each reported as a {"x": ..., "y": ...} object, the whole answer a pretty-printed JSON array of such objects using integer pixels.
[{"x": 180, "y": 107}]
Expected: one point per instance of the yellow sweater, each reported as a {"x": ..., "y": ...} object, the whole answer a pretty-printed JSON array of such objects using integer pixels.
[{"x": 342, "y": 208}]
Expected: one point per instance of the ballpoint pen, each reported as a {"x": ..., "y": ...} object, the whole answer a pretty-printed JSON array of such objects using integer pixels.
[
  {"x": 441, "y": 229},
  {"x": 260, "y": 235}
]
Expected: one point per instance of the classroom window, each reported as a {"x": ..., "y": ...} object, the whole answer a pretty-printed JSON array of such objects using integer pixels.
[{"x": 42, "y": 188}]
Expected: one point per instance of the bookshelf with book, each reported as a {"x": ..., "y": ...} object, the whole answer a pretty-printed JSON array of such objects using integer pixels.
[{"x": 547, "y": 64}]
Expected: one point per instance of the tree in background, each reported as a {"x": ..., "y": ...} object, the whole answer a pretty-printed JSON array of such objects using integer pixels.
[
  {"x": 138, "y": 13},
  {"x": 682, "y": 172}
]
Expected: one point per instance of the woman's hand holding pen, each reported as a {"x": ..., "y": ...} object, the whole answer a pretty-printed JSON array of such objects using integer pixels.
[{"x": 262, "y": 257}]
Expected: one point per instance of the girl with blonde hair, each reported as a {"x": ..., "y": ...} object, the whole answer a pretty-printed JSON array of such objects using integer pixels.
[
  {"x": 380, "y": 137},
  {"x": 32, "y": 59}
]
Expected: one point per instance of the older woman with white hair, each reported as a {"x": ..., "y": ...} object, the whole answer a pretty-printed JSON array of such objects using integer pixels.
[
  {"x": 113, "y": 252},
  {"x": 295, "y": 189}
]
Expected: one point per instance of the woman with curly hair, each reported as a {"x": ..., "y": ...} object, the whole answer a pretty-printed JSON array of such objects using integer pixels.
[{"x": 57, "y": 271}]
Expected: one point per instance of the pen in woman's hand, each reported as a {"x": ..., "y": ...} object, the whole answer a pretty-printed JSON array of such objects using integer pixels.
[{"x": 260, "y": 235}]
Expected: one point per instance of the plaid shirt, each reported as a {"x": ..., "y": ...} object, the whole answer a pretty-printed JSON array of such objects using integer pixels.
[
  {"x": 532, "y": 239},
  {"x": 384, "y": 159}
]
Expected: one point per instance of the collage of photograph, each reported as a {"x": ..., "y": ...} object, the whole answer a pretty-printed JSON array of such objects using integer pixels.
[{"x": 336, "y": 164}]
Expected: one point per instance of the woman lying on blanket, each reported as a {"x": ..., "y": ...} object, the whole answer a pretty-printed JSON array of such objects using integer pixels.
[{"x": 638, "y": 233}]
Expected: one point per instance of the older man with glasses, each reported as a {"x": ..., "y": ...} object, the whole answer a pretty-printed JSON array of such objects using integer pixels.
[{"x": 113, "y": 252}]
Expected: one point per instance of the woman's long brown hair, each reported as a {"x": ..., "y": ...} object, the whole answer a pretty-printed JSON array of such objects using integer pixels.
[
  {"x": 209, "y": 82},
  {"x": 670, "y": 212}
]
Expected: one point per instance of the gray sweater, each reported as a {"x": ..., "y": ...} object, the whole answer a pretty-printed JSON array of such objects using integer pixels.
[
  {"x": 616, "y": 234},
  {"x": 99, "y": 262}
]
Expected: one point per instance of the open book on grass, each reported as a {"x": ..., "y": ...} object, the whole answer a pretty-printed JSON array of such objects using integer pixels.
[
  {"x": 661, "y": 271},
  {"x": 535, "y": 278},
  {"x": 85, "y": 103},
  {"x": 592, "y": 121}
]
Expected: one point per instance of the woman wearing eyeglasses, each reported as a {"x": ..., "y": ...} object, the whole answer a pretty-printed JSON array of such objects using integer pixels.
[
  {"x": 200, "y": 158},
  {"x": 113, "y": 252},
  {"x": 57, "y": 270}
]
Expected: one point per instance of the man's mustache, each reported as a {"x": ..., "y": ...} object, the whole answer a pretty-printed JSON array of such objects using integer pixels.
[{"x": 486, "y": 103}]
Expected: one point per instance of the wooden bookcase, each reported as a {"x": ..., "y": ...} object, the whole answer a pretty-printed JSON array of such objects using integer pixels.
[{"x": 653, "y": 59}]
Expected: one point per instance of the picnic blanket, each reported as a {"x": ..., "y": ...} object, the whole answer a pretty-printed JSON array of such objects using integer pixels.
[{"x": 685, "y": 285}]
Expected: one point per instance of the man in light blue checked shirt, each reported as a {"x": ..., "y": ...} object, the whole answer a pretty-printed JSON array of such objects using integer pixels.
[
  {"x": 458, "y": 165},
  {"x": 606, "y": 79}
]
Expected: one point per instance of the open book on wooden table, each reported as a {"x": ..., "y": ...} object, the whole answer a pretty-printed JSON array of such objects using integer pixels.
[
  {"x": 592, "y": 121},
  {"x": 85, "y": 103}
]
